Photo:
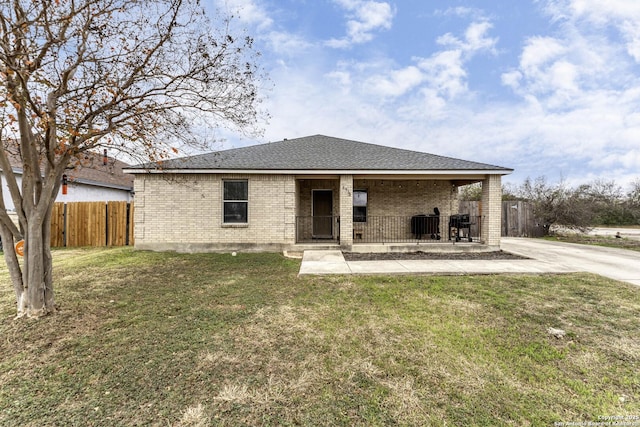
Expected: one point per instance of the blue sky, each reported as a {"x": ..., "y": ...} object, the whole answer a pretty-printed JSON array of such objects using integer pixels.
[{"x": 546, "y": 87}]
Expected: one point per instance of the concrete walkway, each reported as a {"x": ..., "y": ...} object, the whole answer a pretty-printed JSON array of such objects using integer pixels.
[{"x": 546, "y": 257}]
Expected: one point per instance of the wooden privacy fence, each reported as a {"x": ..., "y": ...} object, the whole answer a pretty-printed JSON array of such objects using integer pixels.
[
  {"x": 92, "y": 224},
  {"x": 517, "y": 218}
]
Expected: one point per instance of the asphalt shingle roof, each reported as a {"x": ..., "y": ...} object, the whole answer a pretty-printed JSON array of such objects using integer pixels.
[
  {"x": 321, "y": 152},
  {"x": 90, "y": 170}
]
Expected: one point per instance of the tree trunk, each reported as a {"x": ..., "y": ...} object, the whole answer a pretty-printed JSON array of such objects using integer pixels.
[
  {"x": 39, "y": 294},
  {"x": 48, "y": 259},
  {"x": 13, "y": 265},
  {"x": 33, "y": 283}
]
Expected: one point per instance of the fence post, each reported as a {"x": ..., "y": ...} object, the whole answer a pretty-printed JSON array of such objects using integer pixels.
[
  {"x": 106, "y": 223},
  {"x": 126, "y": 237},
  {"x": 64, "y": 225}
]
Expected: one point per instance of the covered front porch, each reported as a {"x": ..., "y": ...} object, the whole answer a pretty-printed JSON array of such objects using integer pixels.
[
  {"x": 393, "y": 212},
  {"x": 417, "y": 229}
]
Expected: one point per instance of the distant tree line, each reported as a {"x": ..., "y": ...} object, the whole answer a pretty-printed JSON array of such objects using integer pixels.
[{"x": 599, "y": 202}]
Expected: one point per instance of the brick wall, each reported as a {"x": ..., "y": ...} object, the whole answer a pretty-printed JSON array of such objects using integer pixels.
[
  {"x": 306, "y": 187},
  {"x": 184, "y": 212},
  {"x": 491, "y": 210},
  {"x": 408, "y": 197},
  {"x": 346, "y": 210},
  {"x": 403, "y": 199}
]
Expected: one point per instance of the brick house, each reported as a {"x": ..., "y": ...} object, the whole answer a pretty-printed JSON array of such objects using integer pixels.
[{"x": 313, "y": 191}]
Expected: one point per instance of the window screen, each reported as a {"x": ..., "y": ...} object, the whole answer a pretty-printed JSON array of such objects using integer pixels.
[{"x": 236, "y": 202}]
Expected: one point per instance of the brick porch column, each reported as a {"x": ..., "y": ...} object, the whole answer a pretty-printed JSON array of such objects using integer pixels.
[
  {"x": 491, "y": 210},
  {"x": 346, "y": 211},
  {"x": 290, "y": 209}
]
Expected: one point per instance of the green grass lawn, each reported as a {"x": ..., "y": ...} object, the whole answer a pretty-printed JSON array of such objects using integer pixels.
[{"x": 165, "y": 339}]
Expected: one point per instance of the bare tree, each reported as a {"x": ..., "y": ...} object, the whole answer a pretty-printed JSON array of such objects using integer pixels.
[
  {"x": 633, "y": 201},
  {"x": 607, "y": 202},
  {"x": 473, "y": 192},
  {"x": 470, "y": 192},
  {"x": 633, "y": 195},
  {"x": 558, "y": 204},
  {"x": 137, "y": 76}
]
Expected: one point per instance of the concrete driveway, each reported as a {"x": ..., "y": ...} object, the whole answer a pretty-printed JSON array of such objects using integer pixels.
[
  {"x": 544, "y": 257},
  {"x": 618, "y": 264}
]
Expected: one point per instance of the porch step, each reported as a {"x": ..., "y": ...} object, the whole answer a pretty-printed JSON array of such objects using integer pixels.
[
  {"x": 324, "y": 262},
  {"x": 302, "y": 247}
]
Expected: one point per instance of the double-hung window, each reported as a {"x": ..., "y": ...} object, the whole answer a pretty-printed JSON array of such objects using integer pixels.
[
  {"x": 360, "y": 206},
  {"x": 236, "y": 202}
]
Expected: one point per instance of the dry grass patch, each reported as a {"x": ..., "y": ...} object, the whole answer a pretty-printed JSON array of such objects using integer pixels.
[{"x": 194, "y": 416}]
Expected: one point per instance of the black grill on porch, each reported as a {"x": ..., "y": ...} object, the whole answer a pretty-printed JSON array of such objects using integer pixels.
[{"x": 392, "y": 229}]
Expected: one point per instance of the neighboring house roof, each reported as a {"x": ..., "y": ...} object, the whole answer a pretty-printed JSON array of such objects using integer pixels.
[
  {"x": 91, "y": 170},
  {"x": 95, "y": 172},
  {"x": 318, "y": 153}
]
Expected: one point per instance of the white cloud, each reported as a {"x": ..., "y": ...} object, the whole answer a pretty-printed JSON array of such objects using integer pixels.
[
  {"x": 248, "y": 11},
  {"x": 512, "y": 79},
  {"x": 445, "y": 73},
  {"x": 594, "y": 11},
  {"x": 563, "y": 76},
  {"x": 557, "y": 71},
  {"x": 253, "y": 13},
  {"x": 396, "y": 82},
  {"x": 623, "y": 15},
  {"x": 288, "y": 44},
  {"x": 585, "y": 54},
  {"x": 445, "y": 70},
  {"x": 475, "y": 39},
  {"x": 539, "y": 51},
  {"x": 460, "y": 11},
  {"x": 364, "y": 18},
  {"x": 341, "y": 80},
  {"x": 631, "y": 31},
  {"x": 439, "y": 77}
]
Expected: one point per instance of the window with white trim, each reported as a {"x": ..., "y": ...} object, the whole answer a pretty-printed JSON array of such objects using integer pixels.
[
  {"x": 360, "y": 206},
  {"x": 235, "y": 202}
]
